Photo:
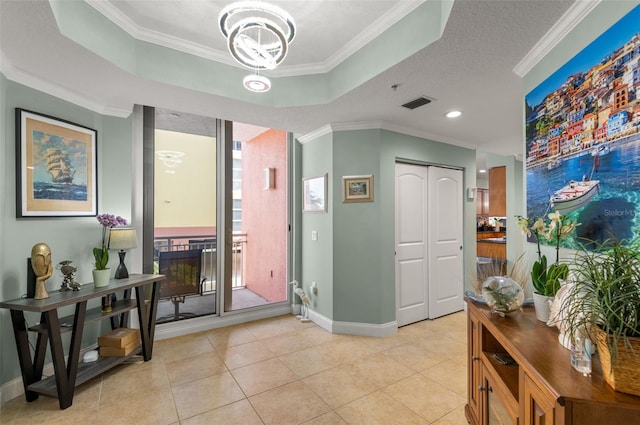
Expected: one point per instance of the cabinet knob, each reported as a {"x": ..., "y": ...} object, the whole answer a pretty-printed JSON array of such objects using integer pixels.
[
  {"x": 475, "y": 358},
  {"x": 481, "y": 388}
]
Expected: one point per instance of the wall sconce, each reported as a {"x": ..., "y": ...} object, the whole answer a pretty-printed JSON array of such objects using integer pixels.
[
  {"x": 269, "y": 178},
  {"x": 122, "y": 238}
]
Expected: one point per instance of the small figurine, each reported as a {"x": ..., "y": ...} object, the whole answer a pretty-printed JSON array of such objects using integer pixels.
[
  {"x": 69, "y": 272},
  {"x": 42, "y": 267}
]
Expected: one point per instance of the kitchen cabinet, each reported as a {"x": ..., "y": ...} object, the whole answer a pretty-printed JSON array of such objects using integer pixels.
[
  {"x": 482, "y": 202},
  {"x": 498, "y": 191}
]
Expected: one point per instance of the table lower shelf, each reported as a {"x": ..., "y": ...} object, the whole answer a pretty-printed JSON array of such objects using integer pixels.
[{"x": 86, "y": 371}]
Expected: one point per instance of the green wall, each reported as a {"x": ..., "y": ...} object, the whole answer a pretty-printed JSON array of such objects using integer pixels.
[
  {"x": 354, "y": 265},
  {"x": 68, "y": 238}
]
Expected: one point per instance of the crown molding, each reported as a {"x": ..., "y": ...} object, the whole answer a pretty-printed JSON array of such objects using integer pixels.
[
  {"x": 378, "y": 27},
  {"x": 381, "y": 125},
  {"x": 29, "y": 80},
  {"x": 567, "y": 22}
]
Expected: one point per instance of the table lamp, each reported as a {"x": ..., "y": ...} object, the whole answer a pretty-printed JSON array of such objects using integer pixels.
[{"x": 122, "y": 238}]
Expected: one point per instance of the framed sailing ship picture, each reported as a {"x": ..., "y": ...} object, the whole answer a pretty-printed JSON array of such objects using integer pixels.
[{"x": 55, "y": 167}]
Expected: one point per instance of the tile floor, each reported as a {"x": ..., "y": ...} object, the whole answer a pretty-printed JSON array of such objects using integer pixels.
[{"x": 276, "y": 372}]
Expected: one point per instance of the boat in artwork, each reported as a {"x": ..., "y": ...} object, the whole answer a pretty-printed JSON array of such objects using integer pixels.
[
  {"x": 59, "y": 166},
  {"x": 600, "y": 150},
  {"x": 574, "y": 195}
]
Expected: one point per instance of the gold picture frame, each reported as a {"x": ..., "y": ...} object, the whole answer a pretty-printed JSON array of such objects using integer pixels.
[
  {"x": 56, "y": 163},
  {"x": 357, "y": 188}
]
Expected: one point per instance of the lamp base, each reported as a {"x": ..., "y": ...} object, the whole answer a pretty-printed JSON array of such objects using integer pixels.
[{"x": 121, "y": 271}]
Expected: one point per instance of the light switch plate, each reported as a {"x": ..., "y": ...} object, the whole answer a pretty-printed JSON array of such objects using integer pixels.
[{"x": 314, "y": 235}]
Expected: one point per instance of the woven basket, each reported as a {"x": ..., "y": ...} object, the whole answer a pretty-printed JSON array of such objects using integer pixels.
[{"x": 625, "y": 375}]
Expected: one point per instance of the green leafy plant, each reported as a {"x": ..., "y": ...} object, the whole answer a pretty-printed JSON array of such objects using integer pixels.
[
  {"x": 545, "y": 277},
  {"x": 606, "y": 294}
]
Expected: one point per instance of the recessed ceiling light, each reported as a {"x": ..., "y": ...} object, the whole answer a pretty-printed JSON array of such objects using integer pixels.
[
  {"x": 453, "y": 114},
  {"x": 482, "y": 171}
]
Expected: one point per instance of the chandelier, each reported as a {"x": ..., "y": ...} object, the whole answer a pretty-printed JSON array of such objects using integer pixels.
[{"x": 258, "y": 36}]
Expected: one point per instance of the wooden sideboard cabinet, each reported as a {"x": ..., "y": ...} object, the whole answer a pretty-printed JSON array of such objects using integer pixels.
[
  {"x": 51, "y": 327},
  {"x": 540, "y": 387}
]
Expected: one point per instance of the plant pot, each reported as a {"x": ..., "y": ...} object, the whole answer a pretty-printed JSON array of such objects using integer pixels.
[
  {"x": 101, "y": 277},
  {"x": 542, "y": 305},
  {"x": 623, "y": 376}
]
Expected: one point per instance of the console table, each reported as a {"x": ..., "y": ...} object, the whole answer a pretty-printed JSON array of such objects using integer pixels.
[
  {"x": 518, "y": 373},
  {"x": 51, "y": 327}
]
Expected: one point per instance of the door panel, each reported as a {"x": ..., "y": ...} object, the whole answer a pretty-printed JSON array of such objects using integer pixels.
[
  {"x": 411, "y": 245},
  {"x": 445, "y": 241}
]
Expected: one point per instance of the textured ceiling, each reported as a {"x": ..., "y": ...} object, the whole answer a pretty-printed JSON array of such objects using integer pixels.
[{"x": 470, "y": 68}]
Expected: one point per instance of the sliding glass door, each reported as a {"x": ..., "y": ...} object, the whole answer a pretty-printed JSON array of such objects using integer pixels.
[{"x": 218, "y": 203}]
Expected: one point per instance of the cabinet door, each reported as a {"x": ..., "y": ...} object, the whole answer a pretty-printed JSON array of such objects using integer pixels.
[
  {"x": 498, "y": 191},
  {"x": 539, "y": 409},
  {"x": 495, "y": 406},
  {"x": 474, "y": 382}
]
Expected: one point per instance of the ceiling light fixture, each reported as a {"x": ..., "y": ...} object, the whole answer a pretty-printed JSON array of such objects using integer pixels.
[
  {"x": 258, "y": 33},
  {"x": 256, "y": 83},
  {"x": 453, "y": 114},
  {"x": 258, "y": 36}
]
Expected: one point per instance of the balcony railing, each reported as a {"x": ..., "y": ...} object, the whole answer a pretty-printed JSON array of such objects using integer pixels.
[{"x": 208, "y": 245}]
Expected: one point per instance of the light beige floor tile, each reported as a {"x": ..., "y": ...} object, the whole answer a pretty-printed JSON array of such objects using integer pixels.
[
  {"x": 451, "y": 374},
  {"x": 291, "y": 404},
  {"x": 381, "y": 369},
  {"x": 444, "y": 345},
  {"x": 425, "y": 397},
  {"x": 191, "y": 368},
  {"x": 181, "y": 347},
  {"x": 229, "y": 337},
  {"x": 238, "y": 413},
  {"x": 308, "y": 361},
  {"x": 288, "y": 343},
  {"x": 147, "y": 408},
  {"x": 416, "y": 356},
  {"x": 379, "y": 408},
  {"x": 340, "y": 385},
  {"x": 455, "y": 417},
  {"x": 196, "y": 397},
  {"x": 245, "y": 354},
  {"x": 330, "y": 418},
  {"x": 263, "y": 376},
  {"x": 116, "y": 386},
  {"x": 277, "y": 326}
]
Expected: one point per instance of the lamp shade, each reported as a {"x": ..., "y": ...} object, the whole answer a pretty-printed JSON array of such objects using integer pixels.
[{"x": 122, "y": 238}]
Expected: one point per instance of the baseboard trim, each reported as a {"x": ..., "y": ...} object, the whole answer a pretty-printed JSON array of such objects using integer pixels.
[{"x": 354, "y": 328}]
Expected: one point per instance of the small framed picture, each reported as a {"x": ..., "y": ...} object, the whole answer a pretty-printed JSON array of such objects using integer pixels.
[
  {"x": 357, "y": 188},
  {"x": 55, "y": 167},
  {"x": 314, "y": 194}
]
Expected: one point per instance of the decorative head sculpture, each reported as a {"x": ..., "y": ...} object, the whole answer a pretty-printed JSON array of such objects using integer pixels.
[{"x": 42, "y": 267}]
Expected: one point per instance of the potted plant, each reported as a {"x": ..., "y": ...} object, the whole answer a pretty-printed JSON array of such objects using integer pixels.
[
  {"x": 604, "y": 305},
  {"x": 546, "y": 278},
  {"x": 101, "y": 273}
]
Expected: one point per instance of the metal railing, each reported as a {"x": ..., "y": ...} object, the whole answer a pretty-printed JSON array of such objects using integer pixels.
[{"x": 208, "y": 245}]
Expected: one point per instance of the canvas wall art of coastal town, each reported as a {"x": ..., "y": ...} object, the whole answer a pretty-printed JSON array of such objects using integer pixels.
[{"x": 583, "y": 138}]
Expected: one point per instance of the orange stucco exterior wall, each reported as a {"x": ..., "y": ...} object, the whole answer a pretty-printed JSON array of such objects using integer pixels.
[{"x": 264, "y": 215}]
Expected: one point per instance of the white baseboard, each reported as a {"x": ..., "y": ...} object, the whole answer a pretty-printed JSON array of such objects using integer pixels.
[{"x": 354, "y": 328}]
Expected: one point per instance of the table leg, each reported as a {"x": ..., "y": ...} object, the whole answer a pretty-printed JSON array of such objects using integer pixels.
[
  {"x": 29, "y": 375},
  {"x": 65, "y": 376},
  {"x": 147, "y": 321}
]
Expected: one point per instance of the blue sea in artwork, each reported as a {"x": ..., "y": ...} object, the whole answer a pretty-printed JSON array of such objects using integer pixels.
[
  {"x": 59, "y": 191},
  {"x": 612, "y": 211}
]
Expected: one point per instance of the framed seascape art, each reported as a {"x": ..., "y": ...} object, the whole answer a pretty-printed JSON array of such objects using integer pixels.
[
  {"x": 314, "y": 194},
  {"x": 357, "y": 188},
  {"x": 55, "y": 167},
  {"x": 583, "y": 139}
]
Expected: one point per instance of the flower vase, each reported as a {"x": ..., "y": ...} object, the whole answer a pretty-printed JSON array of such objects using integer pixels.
[
  {"x": 542, "y": 305},
  {"x": 101, "y": 277}
]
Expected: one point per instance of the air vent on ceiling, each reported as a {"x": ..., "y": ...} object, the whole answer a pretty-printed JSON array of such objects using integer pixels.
[{"x": 416, "y": 103}]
